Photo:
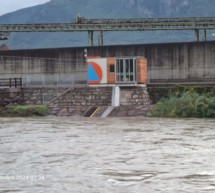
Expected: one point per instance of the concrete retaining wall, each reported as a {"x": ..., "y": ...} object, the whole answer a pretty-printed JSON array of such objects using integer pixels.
[
  {"x": 182, "y": 61},
  {"x": 43, "y": 71},
  {"x": 174, "y": 61},
  {"x": 134, "y": 101},
  {"x": 40, "y": 96},
  {"x": 85, "y": 96},
  {"x": 134, "y": 96},
  {"x": 130, "y": 111}
]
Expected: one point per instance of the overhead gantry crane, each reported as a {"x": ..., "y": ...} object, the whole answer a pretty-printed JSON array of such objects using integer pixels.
[{"x": 81, "y": 24}]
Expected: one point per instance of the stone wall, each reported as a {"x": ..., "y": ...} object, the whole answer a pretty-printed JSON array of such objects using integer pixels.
[
  {"x": 134, "y": 96},
  {"x": 84, "y": 96},
  {"x": 68, "y": 111},
  {"x": 131, "y": 111},
  {"x": 38, "y": 96},
  {"x": 68, "y": 101},
  {"x": 134, "y": 101}
]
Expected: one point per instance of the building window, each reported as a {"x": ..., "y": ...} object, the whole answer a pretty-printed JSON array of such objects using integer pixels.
[
  {"x": 126, "y": 70},
  {"x": 112, "y": 68}
]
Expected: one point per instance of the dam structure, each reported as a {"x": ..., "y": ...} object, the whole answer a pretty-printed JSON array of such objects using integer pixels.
[
  {"x": 107, "y": 80},
  {"x": 167, "y": 63},
  {"x": 58, "y": 77}
]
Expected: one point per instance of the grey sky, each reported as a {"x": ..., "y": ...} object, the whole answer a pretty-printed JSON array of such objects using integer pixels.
[{"x": 7, "y": 6}]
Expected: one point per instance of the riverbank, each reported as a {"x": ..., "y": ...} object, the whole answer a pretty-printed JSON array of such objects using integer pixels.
[
  {"x": 176, "y": 101},
  {"x": 24, "y": 111},
  {"x": 194, "y": 102}
]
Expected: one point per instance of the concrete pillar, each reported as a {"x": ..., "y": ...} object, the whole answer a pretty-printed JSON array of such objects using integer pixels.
[
  {"x": 101, "y": 41},
  {"x": 197, "y": 35},
  {"x": 204, "y": 35},
  {"x": 115, "y": 96},
  {"x": 90, "y": 38}
]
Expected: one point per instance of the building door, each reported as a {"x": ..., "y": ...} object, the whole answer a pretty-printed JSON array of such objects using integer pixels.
[{"x": 126, "y": 70}]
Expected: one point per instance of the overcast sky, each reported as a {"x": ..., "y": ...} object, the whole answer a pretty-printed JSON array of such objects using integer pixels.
[{"x": 7, "y": 6}]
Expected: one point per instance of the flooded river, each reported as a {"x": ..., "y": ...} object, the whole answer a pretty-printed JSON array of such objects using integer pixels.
[{"x": 111, "y": 155}]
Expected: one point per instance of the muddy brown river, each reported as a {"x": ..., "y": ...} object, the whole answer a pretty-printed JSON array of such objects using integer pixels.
[{"x": 110, "y": 155}]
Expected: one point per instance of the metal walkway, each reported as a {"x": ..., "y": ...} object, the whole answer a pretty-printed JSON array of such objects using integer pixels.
[{"x": 102, "y": 25}]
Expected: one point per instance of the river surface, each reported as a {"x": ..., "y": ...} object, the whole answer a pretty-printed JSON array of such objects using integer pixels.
[{"x": 110, "y": 155}]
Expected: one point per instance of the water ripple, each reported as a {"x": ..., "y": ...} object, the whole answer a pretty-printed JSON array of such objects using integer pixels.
[{"x": 111, "y": 155}]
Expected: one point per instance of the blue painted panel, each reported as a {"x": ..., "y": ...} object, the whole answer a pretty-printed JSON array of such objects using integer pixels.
[{"x": 91, "y": 74}]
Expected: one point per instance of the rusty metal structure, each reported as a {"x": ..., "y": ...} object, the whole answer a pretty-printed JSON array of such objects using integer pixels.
[{"x": 81, "y": 24}]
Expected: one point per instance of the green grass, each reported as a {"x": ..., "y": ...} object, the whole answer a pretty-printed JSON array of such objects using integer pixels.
[
  {"x": 186, "y": 104},
  {"x": 24, "y": 111}
]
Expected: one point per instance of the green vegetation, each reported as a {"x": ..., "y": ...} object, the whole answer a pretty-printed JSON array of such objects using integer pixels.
[
  {"x": 192, "y": 102},
  {"x": 24, "y": 111}
]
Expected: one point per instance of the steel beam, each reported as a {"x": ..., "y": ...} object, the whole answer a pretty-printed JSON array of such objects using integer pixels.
[
  {"x": 205, "y": 23},
  {"x": 197, "y": 35},
  {"x": 101, "y": 40},
  {"x": 90, "y": 38},
  {"x": 204, "y": 35},
  {"x": 101, "y": 25}
]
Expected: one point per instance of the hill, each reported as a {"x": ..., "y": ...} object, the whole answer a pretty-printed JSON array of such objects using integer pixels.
[{"x": 66, "y": 10}]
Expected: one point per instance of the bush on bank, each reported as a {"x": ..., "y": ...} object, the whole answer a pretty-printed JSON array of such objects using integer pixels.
[
  {"x": 188, "y": 103},
  {"x": 24, "y": 110},
  {"x": 164, "y": 92}
]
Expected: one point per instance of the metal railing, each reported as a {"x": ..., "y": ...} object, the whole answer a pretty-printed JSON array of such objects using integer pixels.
[{"x": 11, "y": 82}]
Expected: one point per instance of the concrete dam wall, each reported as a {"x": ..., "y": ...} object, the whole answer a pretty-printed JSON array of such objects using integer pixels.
[
  {"x": 182, "y": 62},
  {"x": 170, "y": 62},
  {"x": 37, "y": 71}
]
